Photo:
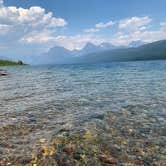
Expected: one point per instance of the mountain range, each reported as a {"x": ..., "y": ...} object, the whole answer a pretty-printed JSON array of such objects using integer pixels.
[
  {"x": 60, "y": 55},
  {"x": 105, "y": 52},
  {"x": 151, "y": 51}
]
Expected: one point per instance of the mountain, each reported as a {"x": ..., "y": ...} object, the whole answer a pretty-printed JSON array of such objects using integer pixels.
[
  {"x": 92, "y": 48},
  {"x": 105, "y": 52},
  {"x": 56, "y": 55},
  {"x": 151, "y": 51},
  {"x": 137, "y": 43},
  {"x": 60, "y": 55},
  {"x": 3, "y": 58},
  {"x": 87, "y": 49}
]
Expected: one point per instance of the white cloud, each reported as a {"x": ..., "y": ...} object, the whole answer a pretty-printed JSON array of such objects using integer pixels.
[
  {"x": 144, "y": 36},
  {"x": 35, "y": 27},
  {"x": 34, "y": 17},
  {"x": 91, "y": 30},
  {"x": 104, "y": 25},
  {"x": 99, "y": 26},
  {"x": 1, "y": 2},
  {"x": 163, "y": 25},
  {"x": 137, "y": 29},
  {"x": 135, "y": 23},
  {"x": 19, "y": 23},
  {"x": 38, "y": 37},
  {"x": 4, "y": 29},
  {"x": 78, "y": 41},
  {"x": 69, "y": 42}
]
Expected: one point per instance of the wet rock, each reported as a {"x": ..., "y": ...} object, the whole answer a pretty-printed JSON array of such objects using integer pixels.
[
  {"x": 62, "y": 160},
  {"x": 162, "y": 131},
  {"x": 3, "y": 163},
  {"x": 114, "y": 150},
  {"x": 25, "y": 160},
  {"x": 97, "y": 116},
  {"x": 32, "y": 118},
  {"x": 147, "y": 143},
  {"x": 68, "y": 150},
  {"x": 77, "y": 156},
  {"x": 3, "y": 73},
  {"x": 108, "y": 160},
  {"x": 155, "y": 164},
  {"x": 137, "y": 162},
  {"x": 63, "y": 130}
]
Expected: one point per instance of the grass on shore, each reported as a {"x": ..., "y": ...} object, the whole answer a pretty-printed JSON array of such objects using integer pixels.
[{"x": 10, "y": 63}]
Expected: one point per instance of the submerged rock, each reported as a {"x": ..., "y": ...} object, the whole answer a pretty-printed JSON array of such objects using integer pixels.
[
  {"x": 3, "y": 73},
  {"x": 108, "y": 160},
  {"x": 68, "y": 150}
]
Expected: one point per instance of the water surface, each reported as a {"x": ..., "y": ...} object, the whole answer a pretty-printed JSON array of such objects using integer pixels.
[{"x": 42, "y": 102}]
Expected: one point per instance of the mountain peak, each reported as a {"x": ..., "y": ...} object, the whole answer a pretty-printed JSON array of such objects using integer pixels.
[
  {"x": 89, "y": 45},
  {"x": 136, "y": 43}
]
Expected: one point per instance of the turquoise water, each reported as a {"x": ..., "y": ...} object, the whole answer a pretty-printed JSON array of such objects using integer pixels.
[{"x": 44, "y": 101}]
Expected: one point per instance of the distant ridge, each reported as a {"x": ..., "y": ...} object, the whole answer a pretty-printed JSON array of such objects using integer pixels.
[
  {"x": 61, "y": 55},
  {"x": 151, "y": 51},
  {"x": 105, "y": 52}
]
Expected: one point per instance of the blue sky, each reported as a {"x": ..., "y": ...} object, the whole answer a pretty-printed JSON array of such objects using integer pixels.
[{"x": 31, "y": 27}]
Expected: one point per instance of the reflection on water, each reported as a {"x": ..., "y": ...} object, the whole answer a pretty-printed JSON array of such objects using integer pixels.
[{"x": 84, "y": 114}]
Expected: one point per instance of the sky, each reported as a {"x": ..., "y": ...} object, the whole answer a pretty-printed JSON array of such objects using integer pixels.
[{"x": 31, "y": 27}]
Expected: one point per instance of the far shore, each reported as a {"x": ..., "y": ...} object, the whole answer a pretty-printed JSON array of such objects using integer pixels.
[{"x": 11, "y": 63}]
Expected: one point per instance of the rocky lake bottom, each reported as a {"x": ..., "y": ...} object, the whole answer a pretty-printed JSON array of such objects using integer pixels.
[{"x": 108, "y": 114}]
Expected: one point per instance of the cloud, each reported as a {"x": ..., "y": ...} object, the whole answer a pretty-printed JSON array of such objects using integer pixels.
[
  {"x": 1, "y": 2},
  {"x": 4, "y": 29},
  {"x": 147, "y": 36},
  {"x": 137, "y": 29},
  {"x": 34, "y": 17},
  {"x": 104, "y": 25},
  {"x": 163, "y": 25},
  {"x": 32, "y": 30},
  {"x": 91, "y": 30},
  {"x": 78, "y": 41},
  {"x": 135, "y": 23},
  {"x": 37, "y": 37},
  {"x": 99, "y": 26},
  {"x": 19, "y": 22},
  {"x": 69, "y": 42}
]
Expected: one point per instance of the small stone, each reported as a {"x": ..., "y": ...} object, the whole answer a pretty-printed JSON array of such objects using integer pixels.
[
  {"x": 77, "y": 156},
  {"x": 147, "y": 143},
  {"x": 137, "y": 162},
  {"x": 142, "y": 153},
  {"x": 155, "y": 164},
  {"x": 32, "y": 119},
  {"x": 25, "y": 160},
  {"x": 42, "y": 140},
  {"x": 68, "y": 150},
  {"x": 108, "y": 160},
  {"x": 2, "y": 163},
  {"x": 3, "y": 73}
]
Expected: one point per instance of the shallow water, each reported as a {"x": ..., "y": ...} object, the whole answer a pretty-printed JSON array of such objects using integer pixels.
[{"x": 43, "y": 102}]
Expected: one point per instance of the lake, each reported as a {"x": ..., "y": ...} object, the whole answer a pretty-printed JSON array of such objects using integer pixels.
[{"x": 84, "y": 114}]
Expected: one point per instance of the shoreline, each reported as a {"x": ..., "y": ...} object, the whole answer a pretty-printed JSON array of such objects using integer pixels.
[{"x": 4, "y": 63}]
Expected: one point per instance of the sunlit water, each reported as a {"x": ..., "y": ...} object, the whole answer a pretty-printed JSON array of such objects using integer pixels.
[{"x": 42, "y": 101}]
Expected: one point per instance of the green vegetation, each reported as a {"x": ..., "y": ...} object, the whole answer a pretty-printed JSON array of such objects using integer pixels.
[{"x": 10, "y": 63}]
